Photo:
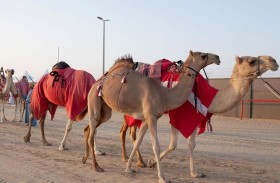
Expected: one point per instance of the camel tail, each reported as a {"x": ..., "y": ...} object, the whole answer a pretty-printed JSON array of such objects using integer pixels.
[{"x": 82, "y": 115}]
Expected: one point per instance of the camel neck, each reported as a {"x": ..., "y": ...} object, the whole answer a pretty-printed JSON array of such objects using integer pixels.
[
  {"x": 177, "y": 95},
  {"x": 228, "y": 98},
  {"x": 7, "y": 86}
]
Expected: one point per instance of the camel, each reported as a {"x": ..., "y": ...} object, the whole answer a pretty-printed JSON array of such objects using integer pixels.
[
  {"x": 129, "y": 92},
  {"x": 22, "y": 87},
  {"x": 246, "y": 69},
  {"x": 8, "y": 87},
  {"x": 66, "y": 87},
  {"x": 170, "y": 69}
]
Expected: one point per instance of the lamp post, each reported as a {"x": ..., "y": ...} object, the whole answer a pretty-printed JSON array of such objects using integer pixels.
[{"x": 100, "y": 18}]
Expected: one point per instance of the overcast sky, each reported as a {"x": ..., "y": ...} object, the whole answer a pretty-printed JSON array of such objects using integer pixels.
[{"x": 32, "y": 30}]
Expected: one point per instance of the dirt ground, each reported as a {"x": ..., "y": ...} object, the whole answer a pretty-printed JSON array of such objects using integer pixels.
[{"x": 237, "y": 151}]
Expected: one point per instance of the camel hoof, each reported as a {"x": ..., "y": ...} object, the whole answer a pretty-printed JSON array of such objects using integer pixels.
[
  {"x": 98, "y": 169},
  {"x": 130, "y": 170},
  {"x": 47, "y": 144},
  {"x": 197, "y": 175},
  {"x": 84, "y": 160},
  {"x": 152, "y": 163},
  {"x": 101, "y": 153},
  {"x": 26, "y": 139},
  {"x": 125, "y": 160},
  {"x": 141, "y": 164},
  {"x": 63, "y": 148}
]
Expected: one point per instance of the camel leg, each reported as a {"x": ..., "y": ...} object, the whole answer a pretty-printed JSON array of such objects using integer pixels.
[
  {"x": 96, "y": 149},
  {"x": 2, "y": 112},
  {"x": 67, "y": 130},
  {"x": 92, "y": 129},
  {"x": 94, "y": 112},
  {"x": 22, "y": 109},
  {"x": 156, "y": 148},
  {"x": 122, "y": 137},
  {"x": 172, "y": 146},
  {"x": 42, "y": 124},
  {"x": 86, "y": 136},
  {"x": 16, "y": 110},
  {"x": 19, "y": 107},
  {"x": 106, "y": 114},
  {"x": 3, "y": 117},
  {"x": 140, "y": 162},
  {"x": 28, "y": 135},
  {"x": 191, "y": 149},
  {"x": 138, "y": 142}
]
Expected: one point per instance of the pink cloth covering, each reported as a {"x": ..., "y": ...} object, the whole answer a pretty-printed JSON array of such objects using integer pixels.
[
  {"x": 186, "y": 118},
  {"x": 70, "y": 91},
  {"x": 23, "y": 85},
  {"x": 155, "y": 70}
]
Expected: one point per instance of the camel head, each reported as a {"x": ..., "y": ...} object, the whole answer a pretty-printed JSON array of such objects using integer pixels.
[
  {"x": 199, "y": 60},
  {"x": 9, "y": 72},
  {"x": 248, "y": 66}
]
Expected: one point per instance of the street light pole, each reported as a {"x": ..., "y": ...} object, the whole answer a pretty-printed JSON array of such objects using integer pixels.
[{"x": 100, "y": 18}]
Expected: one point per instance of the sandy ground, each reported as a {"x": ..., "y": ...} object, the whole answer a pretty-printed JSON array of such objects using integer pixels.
[{"x": 237, "y": 151}]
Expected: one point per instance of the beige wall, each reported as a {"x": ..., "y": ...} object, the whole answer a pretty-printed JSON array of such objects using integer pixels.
[{"x": 260, "y": 92}]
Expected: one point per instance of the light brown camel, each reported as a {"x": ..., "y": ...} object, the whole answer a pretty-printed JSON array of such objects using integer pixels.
[
  {"x": 246, "y": 69},
  {"x": 132, "y": 130},
  {"x": 66, "y": 87},
  {"x": 8, "y": 87},
  {"x": 129, "y": 92}
]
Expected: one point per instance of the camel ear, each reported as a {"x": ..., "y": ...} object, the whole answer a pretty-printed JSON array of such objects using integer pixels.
[
  {"x": 191, "y": 52},
  {"x": 238, "y": 59}
]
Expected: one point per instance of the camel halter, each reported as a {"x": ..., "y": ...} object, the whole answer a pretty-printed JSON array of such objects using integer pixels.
[
  {"x": 195, "y": 82},
  {"x": 266, "y": 84}
]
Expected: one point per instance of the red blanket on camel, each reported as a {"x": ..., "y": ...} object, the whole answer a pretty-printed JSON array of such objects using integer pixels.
[
  {"x": 186, "y": 117},
  {"x": 69, "y": 89}
]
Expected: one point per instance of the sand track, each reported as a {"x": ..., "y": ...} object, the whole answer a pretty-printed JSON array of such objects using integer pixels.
[{"x": 237, "y": 151}]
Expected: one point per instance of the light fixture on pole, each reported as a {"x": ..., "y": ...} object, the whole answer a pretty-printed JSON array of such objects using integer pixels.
[{"x": 100, "y": 18}]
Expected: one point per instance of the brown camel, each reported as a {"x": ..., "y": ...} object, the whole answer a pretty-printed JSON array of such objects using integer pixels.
[
  {"x": 22, "y": 87},
  {"x": 66, "y": 87},
  {"x": 246, "y": 69},
  {"x": 129, "y": 92},
  {"x": 8, "y": 87}
]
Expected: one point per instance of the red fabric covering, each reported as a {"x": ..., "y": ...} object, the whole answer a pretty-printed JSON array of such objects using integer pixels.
[
  {"x": 23, "y": 85},
  {"x": 186, "y": 118},
  {"x": 132, "y": 122},
  {"x": 71, "y": 94}
]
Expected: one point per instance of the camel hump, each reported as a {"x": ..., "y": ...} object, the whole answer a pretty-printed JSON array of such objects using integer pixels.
[{"x": 60, "y": 65}]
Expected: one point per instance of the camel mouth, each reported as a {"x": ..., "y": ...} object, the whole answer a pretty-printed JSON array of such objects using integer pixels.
[
  {"x": 218, "y": 63},
  {"x": 273, "y": 67}
]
